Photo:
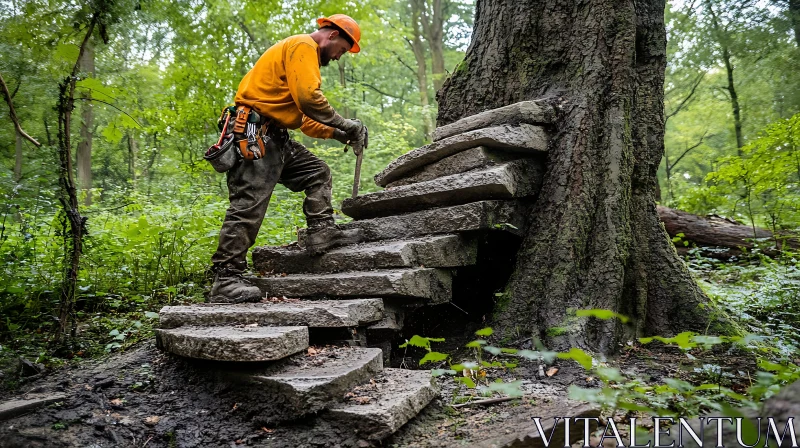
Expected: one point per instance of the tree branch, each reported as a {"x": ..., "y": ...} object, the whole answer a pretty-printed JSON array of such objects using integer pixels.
[
  {"x": 688, "y": 97},
  {"x": 13, "y": 114},
  {"x": 109, "y": 104},
  {"x": 700, "y": 142}
]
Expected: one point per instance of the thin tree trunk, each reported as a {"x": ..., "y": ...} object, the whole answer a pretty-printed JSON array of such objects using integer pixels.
[
  {"x": 17, "y": 156},
  {"x": 73, "y": 223},
  {"x": 593, "y": 237},
  {"x": 343, "y": 84},
  {"x": 433, "y": 26},
  {"x": 422, "y": 70},
  {"x": 794, "y": 16},
  {"x": 133, "y": 149},
  {"x": 84, "y": 151},
  {"x": 722, "y": 40}
]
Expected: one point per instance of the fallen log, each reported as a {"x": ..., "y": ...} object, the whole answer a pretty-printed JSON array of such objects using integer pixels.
[{"x": 719, "y": 237}]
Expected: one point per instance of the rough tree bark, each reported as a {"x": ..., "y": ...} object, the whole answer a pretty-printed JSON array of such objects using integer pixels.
[
  {"x": 83, "y": 155},
  {"x": 593, "y": 238}
]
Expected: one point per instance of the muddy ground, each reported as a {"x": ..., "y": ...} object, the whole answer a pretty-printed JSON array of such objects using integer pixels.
[{"x": 146, "y": 398}]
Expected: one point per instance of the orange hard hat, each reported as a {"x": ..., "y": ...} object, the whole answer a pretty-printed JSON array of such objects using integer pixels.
[{"x": 347, "y": 24}]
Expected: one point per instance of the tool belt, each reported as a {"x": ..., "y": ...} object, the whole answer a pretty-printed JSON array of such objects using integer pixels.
[{"x": 247, "y": 133}]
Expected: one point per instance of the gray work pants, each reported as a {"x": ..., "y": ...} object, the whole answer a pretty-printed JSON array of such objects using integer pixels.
[{"x": 250, "y": 186}]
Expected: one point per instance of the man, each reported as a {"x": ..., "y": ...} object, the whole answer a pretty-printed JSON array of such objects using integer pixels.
[{"x": 283, "y": 88}]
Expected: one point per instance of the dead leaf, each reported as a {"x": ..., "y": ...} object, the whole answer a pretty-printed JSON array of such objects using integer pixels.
[
  {"x": 361, "y": 400},
  {"x": 589, "y": 379},
  {"x": 116, "y": 402},
  {"x": 312, "y": 351},
  {"x": 152, "y": 420},
  {"x": 235, "y": 406},
  {"x": 552, "y": 371},
  {"x": 87, "y": 387},
  {"x": 267, "y": 430}
]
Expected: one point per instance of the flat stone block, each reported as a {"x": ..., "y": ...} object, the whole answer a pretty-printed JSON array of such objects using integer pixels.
[
  {"x": 461, "y": 162},
  {"x": 483, "y": 215},
  {"x": 515, "y": 179},
  {"x": 12, "y": 408},
  {"x": 440, "y": 251},
  {"x": 310, "y": 313},
  {"x": 420, "y": 283},
  {"x": 531, "y": 112},
  {"x": 245, "y": 343},
  {"x": 396, "y": 397},
  {"x": 524, "y": 138},
  {"x": 303, "y": 384},
  {"x": 526, "y": 434}
]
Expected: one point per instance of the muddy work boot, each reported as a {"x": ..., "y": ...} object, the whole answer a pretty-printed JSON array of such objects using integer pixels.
[
  {"x": 231, "y": 287},
  {"x": 320, "y": 239}
]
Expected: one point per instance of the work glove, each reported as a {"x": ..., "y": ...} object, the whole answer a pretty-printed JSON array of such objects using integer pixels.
[
  {"x": 341, "y": 136},
  {"x": 354, "y": 129}
]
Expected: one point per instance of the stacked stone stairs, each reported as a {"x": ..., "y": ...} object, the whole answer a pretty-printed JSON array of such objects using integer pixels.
[{"x": 429, "y": 223}]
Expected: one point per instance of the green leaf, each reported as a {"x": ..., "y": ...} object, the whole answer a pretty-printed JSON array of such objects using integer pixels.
[
  {"x": 485, "y": 332},
  {"x": 466, "y": 380},
  {"x": 440, "y": 372},
  {"x": 493, "y": 350},
  {"x": 602, "y": 314},
  {"x": 579, "y": 356},
  {"x": 513, "y": 389},
  {"x": 433, "y": 357},
  {"x": 150, "y": 315},
  {"x": 475, "y": 344}
]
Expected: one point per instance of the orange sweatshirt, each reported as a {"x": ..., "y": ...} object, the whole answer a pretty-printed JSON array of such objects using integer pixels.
[{"x": 285, "y": 85}]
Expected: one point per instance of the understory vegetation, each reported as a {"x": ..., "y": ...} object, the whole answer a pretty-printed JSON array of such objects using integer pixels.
[{"x": 157, "y": 73}]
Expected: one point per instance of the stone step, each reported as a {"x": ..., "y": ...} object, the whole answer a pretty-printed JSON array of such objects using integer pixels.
[
  {"x": 531, "y": 112},
  {"x": 29, "y": 402},
  {"x": 515, "y": 179},
  {"x": 301, "y": 385},
  {"x": 233, "y": 343},
  {"x": 524, "y": 138},
  {"x": 375, "y": 410},
  {"x": 461, "y": 162},
  {"x": 309, "y": 313},
  {"x": 438, "y": 251},
  {"x": 508, "y": 216},
  {"x": 433, "y": 285}
]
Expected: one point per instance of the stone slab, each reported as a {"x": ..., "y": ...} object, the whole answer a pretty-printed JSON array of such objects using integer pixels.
[
  {"x": 527, "y": 435},
  {"x": 439, "y": 251},
  {"x": 13, "y": 408},
  {"x": 309, "y": 313},
  {"x": 303, "y": 384},
  {"x": 515, "y": 179},
  {"x": 394, "y": 398},
  {"x": 461, "y": 162},
  {"x": 434, "y": 285},
  {"x": 524, "y": 138},
  {"x": 483, "y": 215},
  {"x": 228, "y": 343},
  {"x": 531, "y": 112}
]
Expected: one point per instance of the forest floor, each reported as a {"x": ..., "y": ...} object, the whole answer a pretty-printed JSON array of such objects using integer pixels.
[{"x": 143, "y": 397}]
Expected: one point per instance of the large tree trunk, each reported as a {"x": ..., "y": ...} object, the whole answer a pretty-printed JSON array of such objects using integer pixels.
[
  {"x": 84, "y": 153},
  {"x": 593, "y": 238}
]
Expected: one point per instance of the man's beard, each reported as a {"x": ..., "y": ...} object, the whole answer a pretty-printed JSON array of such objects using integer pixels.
[{"x": 324, "y": 59}]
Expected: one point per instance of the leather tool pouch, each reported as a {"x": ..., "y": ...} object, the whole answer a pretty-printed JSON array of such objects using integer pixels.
[{"x": 250, "y": 133}]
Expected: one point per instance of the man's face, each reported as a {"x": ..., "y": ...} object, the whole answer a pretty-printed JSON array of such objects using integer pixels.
[{"x": 335, "y": 46}]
